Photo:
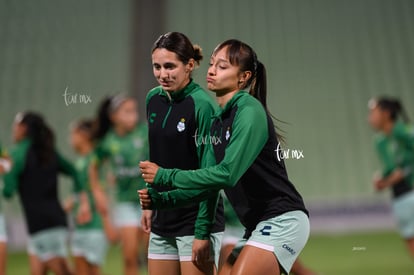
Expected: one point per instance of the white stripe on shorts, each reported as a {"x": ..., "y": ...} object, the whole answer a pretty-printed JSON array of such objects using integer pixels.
[
  {"x": 47, "y": 257},
  {"x": 261, "y": 245},
  {"x": 170, "y": 257},
  {"x": 185, "y": 258},
  {"x": 189, "y": 259}
]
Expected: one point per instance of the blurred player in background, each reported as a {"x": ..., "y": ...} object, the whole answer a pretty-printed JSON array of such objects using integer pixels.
[
  {"x": 232, "y": 234},
  {"x": 124, "y": 142},
  {"x": 395, "y": 147},
  {"x": 89, "y": 243},
  {"x": 5, "y": 166},
  {"x": 34, "y": 175}
]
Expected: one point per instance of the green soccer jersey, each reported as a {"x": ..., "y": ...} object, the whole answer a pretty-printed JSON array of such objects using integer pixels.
[
  {"x": 82, "y": 166},
  {"x": 125, "y": 153},
  {"x": 229, "y": 214},
  {"x": 397, "y": 151}
]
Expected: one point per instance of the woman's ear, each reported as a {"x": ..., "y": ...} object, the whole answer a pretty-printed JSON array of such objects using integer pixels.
[
  {"x": 244, "y": 78},
  {"x": 190, "y": 65}
]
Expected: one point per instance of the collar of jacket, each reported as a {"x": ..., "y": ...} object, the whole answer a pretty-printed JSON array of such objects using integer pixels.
[
  {"x": 230, "y": 104},
  {"x": 181, "y": 94}
]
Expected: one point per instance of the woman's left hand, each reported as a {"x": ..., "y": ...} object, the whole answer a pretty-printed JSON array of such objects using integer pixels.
[
  {"x": 395, "y": 177},
  {"x": 149, "y": 171},
  {"x": 201, "y": 252},
  {"x": 144, "y": 199},
  {"x": 380, "y": 184}
]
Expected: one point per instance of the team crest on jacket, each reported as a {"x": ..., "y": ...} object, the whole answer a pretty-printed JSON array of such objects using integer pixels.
[
  {"x": 181, "y": 125},
  {"x": 228, "y": 134}
]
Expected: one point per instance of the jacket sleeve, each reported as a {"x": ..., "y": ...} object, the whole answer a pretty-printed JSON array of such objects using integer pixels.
[
  {"x": 249, "y": 136},
  {"x": 11, "y": 179},
  {"x": 207, "y": 208},
  {"x": 68, "y": 169},
  {"x": 178, "y": 197},
  {"x": 405, "y": 135}
]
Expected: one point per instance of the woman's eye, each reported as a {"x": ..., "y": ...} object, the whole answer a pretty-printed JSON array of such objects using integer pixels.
[{"x": 169, "y": 66}]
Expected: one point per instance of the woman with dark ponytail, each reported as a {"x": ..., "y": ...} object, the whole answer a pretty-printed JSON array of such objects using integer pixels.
[
  {"x": 36, "y": 165},
  {"x": 244, "y": 163},
  {"x": 395, "y": 146},
  {"x": 184, "y": 240}
]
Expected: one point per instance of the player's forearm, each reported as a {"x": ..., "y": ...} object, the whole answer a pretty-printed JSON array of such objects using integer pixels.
[
  {"x": 94, "y": 178},
  {"x": 83, "y": 198},
  {"x": 395, "y": 177},
  {"x": 245, "y": 145},
  {"x": 215, "y": 177}
]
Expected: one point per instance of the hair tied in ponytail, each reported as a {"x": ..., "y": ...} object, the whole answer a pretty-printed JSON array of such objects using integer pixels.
[{"x": 255, "y": 63}]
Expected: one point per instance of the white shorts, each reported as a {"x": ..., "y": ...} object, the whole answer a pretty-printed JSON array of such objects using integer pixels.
[
  {"x": 127, "y": 214},
  {"x": 403, "y": 209},
  {"x": 90, "y": 244},
  {"x": 3, "y": 233},
  {"x": 284, "y": 235},
  {"x": 48, "y": 244},
  {"x": 180, "y": 248}
]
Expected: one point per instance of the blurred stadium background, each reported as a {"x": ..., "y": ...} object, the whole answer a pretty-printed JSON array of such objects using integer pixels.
[{"x": 325, "y": 59}]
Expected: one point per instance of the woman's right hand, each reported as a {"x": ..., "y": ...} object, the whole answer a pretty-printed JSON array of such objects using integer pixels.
[
  {"x": 149, "y": 171},
  {"x": 146, "y": 220}
]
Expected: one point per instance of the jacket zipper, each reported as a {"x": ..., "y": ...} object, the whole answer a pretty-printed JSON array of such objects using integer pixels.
[
  {"x": 166, "y": 116},
  {"x": 168, "y": 112}
]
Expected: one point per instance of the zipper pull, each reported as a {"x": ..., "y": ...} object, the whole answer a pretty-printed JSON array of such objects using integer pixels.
[{"x": 169, "y": 96}]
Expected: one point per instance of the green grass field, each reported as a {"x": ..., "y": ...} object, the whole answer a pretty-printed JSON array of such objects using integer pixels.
[{"x": 360, "y": 254}]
